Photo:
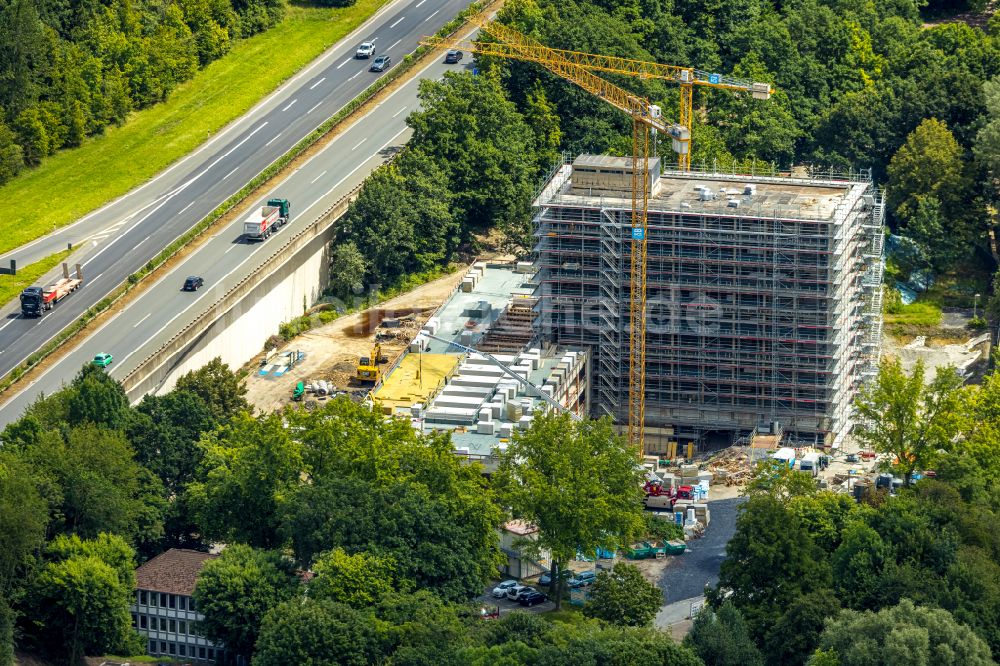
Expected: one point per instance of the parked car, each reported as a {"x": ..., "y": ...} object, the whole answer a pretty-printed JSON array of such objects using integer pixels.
[
  {"x": 500, "y": 591},
  {"x": 193, "y": 283},
  {"x": 532, "y": 598},
  {"x": 366, "y": 50},
  {"x": 380, "y": 64},
  {"x": 103, "y": 360},
  {"x": 512, "y": 592},
  {"x": 546, "y": 578},
  {"x": 525, "y": 591},
  {"x": 583, "y": 579},
  {"x": 453, "y": 57}
]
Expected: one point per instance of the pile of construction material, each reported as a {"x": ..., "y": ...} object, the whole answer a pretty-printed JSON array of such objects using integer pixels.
[{"x": 731, "y": 466}]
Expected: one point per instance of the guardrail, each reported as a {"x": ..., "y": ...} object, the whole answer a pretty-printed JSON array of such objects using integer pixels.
[
  {"x": 235, "y": 294},
  {"x": 132, "y": 281}
]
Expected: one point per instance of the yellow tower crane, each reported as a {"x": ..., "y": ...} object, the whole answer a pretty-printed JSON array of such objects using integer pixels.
[{"x": 578, "y": 68}]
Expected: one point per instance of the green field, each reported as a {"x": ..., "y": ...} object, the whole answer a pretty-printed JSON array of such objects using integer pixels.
[
  {"x": 12, "y": 285},
  {"x": 74, "y": 182}
]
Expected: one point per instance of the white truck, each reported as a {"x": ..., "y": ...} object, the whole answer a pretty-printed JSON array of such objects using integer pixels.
[
  {"x": 810, "y": 463},
  {"x": 266, "y": 220}
]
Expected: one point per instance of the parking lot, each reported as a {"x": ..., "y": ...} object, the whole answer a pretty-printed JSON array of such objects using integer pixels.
[{"x": 489, "y": 602}]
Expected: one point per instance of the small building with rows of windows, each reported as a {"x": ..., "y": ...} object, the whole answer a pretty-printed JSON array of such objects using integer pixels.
[{"x": 163, "y": 609}]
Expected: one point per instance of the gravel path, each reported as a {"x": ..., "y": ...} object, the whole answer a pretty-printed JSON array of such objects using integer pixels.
[{"x": 688, "y": 574}]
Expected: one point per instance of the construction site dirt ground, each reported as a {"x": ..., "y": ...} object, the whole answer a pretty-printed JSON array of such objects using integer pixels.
[{"x": 332, "y": 350}]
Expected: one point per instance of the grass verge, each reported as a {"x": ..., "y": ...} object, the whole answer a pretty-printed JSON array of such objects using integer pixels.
[
  {"x": 12, "y": 285},
  {"x": 248, "y": 190},
  {"x": 74, "y": 182},
  {"x": 913, "y": 319}
]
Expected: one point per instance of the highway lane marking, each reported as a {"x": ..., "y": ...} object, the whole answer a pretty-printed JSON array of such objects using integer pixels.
[
  {"x": 290, "y": 104},
  {"x": 204, "y": 147},
  {"x": 313, "y": 181},
  {"x": 430, "y": 17},
  {"x": 184, "y": 209},
  {"x": 231, "y": 248},
  {"x": 359, "y": 144},
  {"x": 175, "y": 192},
  {"x": 9, "y": 323},
  {"x": 273, "y": 140},
  {"x": 136, "y": 324},
  {"x": 396, "y": 23},
  {"x": 394, "y": 45},
  {"x": 420, "y": 3},
  {"x": 251, "y": 255},
  {"x": 355, "y": 76},
  {"x": 230, "y": 173},
  {"x": 223, "y": 135},
  {"x": 313, "y": 108},
  {"x": 317, "y": 83},
  {"x": 140, "y": 243},
  {"x": 400, "y": 111}
]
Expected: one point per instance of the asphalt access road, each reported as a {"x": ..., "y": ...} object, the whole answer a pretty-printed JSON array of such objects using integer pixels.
[
  {"x": 120, "y": 238},
  {"x": 688, "y": 574},
  {"x": 163, "y": 309}
]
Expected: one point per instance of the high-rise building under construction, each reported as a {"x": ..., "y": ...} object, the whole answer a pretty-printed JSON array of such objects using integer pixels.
[{"x": 763, "y": 293}]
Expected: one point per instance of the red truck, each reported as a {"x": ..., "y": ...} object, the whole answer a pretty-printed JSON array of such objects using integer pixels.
[
  {"x": 266, "y": 220},
  {"x": 36, "y": 300}
]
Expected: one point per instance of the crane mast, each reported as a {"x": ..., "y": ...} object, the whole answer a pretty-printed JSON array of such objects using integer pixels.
[{"x": 578, "y": 68}]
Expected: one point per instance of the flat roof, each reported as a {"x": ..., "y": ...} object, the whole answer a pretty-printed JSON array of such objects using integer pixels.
[
  {"x": 414, "y": 380},
  {"x": 496, "y": 287},
  {"x": 676, "y": 191}
]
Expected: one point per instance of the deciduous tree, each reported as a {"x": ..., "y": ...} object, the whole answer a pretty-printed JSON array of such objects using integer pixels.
[
  {"x": 80, "y": 599},
  {"x": 624, "y": 597},
  {"x": 236, "y": 591},
  {"x": 578, "y": 482},
  {"x": 721, "y": 638},
  {"x": 903, "y": 634},
  {"x": 911, "y": 420},
  {"x": 317, "y": 632}
]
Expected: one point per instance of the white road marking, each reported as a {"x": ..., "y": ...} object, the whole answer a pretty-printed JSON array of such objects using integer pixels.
[
  {"x": 397, "y": 22},
  {"x": 420, "y": 3},
  {"x": 317, "y": 83},
  {"x": 275, "y": 138},
  {"x": 9, "y": 323},
  {"x": 290, "y": 104},
  {"x": 176, "y": 191},
  {"x": 313, "y": 108},
  {"x": 185, "y": 208},
  {"x": 313, "y": 181},
  {"x": 359, "y": 144},
  {"x": 230, "y": 173},
  {"x": 399, "y": 112},
  {"x": 231, "y": 248},
  {"x": 344, "y": 63},
  {"x": 140, "y": 243},
  {"x": 394, "y": 45},
  {"x": 136, "y": 324},
  {"x": 355, "y": 76},
  {"x": 430, "y": 17},
  {"x": 100, "y": 237}
]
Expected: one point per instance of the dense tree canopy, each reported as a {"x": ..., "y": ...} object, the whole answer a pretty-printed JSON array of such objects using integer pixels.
[
  {"x": 577, "y": 482},
  {"x": 68, "y": 70}
]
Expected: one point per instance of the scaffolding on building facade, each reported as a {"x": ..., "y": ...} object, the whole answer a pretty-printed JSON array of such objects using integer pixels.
[{"x": 761, "y": 310}]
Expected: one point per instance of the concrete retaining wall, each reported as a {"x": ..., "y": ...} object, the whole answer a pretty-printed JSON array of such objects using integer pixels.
[{"x": 237, "y": 324}]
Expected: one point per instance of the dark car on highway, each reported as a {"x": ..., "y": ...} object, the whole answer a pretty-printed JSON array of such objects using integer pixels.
[
  {"x": 453, "y": 56},
  {"x": 193, "y": 283},
  {"x": 380, "y": 64},
  {"x": 532, "y": 598}
]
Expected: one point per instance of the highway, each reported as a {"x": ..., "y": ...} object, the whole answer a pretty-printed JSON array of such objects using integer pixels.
[
  {"x": 163, "y": 308},
  {"x": 121, "y": 237}
]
